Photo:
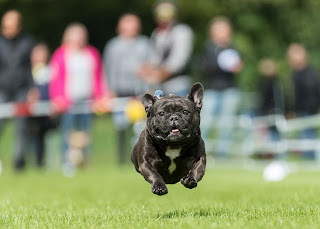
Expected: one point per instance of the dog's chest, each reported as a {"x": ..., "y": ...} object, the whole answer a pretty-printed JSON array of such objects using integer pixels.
[{"x": 172, "y": 154}]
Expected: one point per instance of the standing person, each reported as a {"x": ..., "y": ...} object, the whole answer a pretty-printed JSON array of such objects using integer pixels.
[
  {"x": 16, "y": 84},
  {"x": 220, "y": 64},
  {"x": 306, "y": 88},
  {"x": 173, "y": 44},
  {"x": 39, "y": 126},
  {"x": 123, "y": 56},
  {"x": 76, "y": 76},
  {"x": 271, "y": 94}
]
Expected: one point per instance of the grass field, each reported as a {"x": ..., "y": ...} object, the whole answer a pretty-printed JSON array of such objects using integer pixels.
[{"x": 105, "y": 195}]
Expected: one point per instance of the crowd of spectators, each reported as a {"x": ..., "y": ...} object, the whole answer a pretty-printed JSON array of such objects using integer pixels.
[{"x": 132, "y": 64}]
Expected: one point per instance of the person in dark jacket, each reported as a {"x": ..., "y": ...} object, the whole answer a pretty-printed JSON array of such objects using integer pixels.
[
  {"x": 271, "y": 94},
  {"x": 270, "y": 89},
  {"x": 305, "y": 81},
  {"x": 39, "y": 126},
  {"x": 16, "y": 84},
  {"x": 220, "y": 63},
  {"x": 306, "y": 88}
]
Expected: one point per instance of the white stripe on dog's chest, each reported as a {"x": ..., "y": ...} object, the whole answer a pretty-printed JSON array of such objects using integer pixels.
[{"x": 172, "y": 154}]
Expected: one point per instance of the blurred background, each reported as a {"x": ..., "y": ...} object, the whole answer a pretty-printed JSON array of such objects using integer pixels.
[
  {"x": 262, "y": 32},
  {"x": 261, "y": 29},
  {"x": 71, "y": 77}
]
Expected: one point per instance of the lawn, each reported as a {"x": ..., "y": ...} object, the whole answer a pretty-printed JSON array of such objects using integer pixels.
[{"x": 105, "y": 195}]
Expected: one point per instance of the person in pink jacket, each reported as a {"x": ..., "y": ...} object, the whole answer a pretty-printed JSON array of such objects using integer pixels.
[{"x": 76, "y": 77}]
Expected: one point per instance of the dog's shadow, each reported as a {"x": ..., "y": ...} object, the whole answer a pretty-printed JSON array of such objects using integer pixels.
[{"x": 195, "y": 213}]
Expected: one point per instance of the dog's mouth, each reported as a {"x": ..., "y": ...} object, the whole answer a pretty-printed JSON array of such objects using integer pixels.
[
  {"x": 174, "y": 131},
  {"x": 175, "y": 135}
]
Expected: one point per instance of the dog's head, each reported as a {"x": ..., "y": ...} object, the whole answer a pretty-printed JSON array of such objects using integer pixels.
[{"x": 174, "y": 120}]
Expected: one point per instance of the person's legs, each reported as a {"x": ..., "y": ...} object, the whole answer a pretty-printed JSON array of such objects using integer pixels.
[
  {"x": 122, "y": 146},
  {"x": 37, "y": 128},
  {"x": 121, "y": 124},
  {"x": 230, "y": 100},
  {"x": 3, "y": 99},
  {"x": 67, "y": 123},
  {"x": 40, "y": 148},
  {"x": 84, "y": 122},
  {"x": 2, "y": 122},
  {"x": 209, "y": 112},
  {"x": 273, "y": 133},
  {"x": 20, "y": 132},
  {"x": 311, "y": 135},
  {"x": 20, "y": 128}
]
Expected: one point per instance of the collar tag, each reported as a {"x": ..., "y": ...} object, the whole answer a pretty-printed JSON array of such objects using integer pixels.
[{"x": 158, "y": 94}]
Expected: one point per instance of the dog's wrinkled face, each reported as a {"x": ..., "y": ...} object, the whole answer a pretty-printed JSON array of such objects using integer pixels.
[{"x": 174, "y": 120}]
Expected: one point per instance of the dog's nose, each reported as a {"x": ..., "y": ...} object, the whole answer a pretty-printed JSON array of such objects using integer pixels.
[{"x": 174, "y": 117}]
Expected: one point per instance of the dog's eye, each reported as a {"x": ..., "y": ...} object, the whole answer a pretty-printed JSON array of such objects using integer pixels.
[
  {"x": 186, "y": 112},
  {"x": 161, "y": 113}
]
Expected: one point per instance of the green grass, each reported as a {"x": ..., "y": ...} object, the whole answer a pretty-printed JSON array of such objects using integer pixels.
[
  {"x": 105, "y": 195},
  {"x": 120, "y": 198}
]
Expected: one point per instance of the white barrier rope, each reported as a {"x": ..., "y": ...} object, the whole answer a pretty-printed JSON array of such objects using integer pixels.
[
  {"x": 253, "y": 143},
  {"x": 11, "y": 110}
]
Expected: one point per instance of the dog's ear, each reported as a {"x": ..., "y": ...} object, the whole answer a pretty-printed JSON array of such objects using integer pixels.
[
  {"x": 147, "y": 101},
  {"x": 196, "y": 95}
]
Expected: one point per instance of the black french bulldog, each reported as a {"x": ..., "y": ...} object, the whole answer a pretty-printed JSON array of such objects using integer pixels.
[{"x": 170, "y": 148}]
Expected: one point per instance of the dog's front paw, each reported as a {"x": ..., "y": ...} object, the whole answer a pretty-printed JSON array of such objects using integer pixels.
[
  {"x": 189, "y": 182},
  {"x": 159, "y": 189}
]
